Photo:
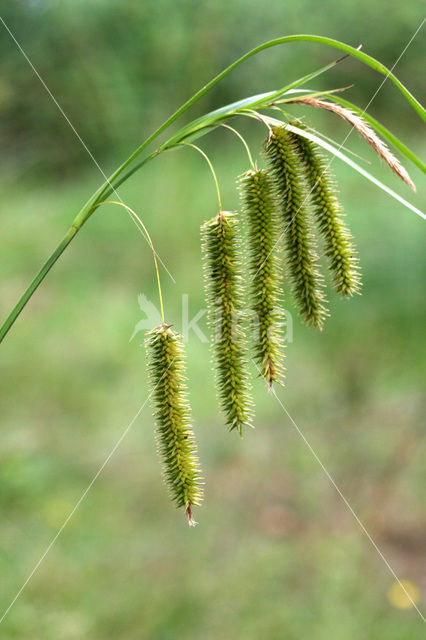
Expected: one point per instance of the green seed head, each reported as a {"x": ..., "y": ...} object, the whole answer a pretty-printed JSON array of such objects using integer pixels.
[
  {"x": 223, "y": 284},
  {"x": 339, "y": 246},
  {"x": 262, "y": 222},
  {"x": 299, "y": 243},
  {"x": 176, "y": 443}
]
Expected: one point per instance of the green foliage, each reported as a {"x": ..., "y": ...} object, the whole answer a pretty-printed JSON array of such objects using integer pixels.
[
  {"x": 176, "y": 442},
  {"x": 299, "y": 242},
  {"x": 264, "y": 268},
  {"x": 307, "y": 280},
  {"x": 223, "y": 284},
  {"x": 339, "y": 244}
]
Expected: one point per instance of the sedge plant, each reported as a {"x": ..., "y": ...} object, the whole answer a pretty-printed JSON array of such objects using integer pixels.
[
  {"x": 283, "y": 206},
  {"x": 259, "y": 207}
]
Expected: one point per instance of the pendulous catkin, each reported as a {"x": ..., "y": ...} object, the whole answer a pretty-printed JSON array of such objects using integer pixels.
[
  {"x": 175, "y": 438},
  {"x": 302, "y": 259},
  {"x": 262, "y": 222},
  {"x": 223, "y": 285},
  {"x": 339, "y": 246}
]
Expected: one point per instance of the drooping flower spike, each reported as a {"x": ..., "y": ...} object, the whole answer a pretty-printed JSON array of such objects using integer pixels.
[
  {"x": 290, "y": 185},
  {"x": 224, "y": 294},
  {"x": 339, "y": 246},
  {"x": 262, "y": 221},
  {"x": 175, "y": 438}
]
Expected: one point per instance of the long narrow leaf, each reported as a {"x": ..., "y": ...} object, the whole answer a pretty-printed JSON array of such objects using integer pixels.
[
  {"x": 215, "y": 117},
  {"x": 119, "y": 176},
  {"x": 330, "y": 42},
  {"x": 209, "y": 121},
  {"x": 356, "y": 53}
]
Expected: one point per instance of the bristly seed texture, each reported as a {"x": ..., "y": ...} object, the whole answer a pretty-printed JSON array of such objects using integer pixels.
[
  {"x": 262, "y": 222},
  {"x": 175, "y": 438},
  {"x": 302, "y": 259},
  {"x": 339, "y": 246},
  {"x": 224, "y": 293}
]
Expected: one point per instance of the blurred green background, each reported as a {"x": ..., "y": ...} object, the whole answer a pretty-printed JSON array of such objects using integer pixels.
[{"x": 277, "y": 554}]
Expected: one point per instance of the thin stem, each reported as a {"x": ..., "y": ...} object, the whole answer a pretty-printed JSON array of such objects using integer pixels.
[
  {"x": 107, "y": 192},
  {"x": 369, "y": 60},
  {"x": 83, "y": 215},
  {"x": 250, "y": 113},
  {"x": 237, "y": 133},
  {"x": 366, "y": 59},
  {"x": 309, "y": 94},
  {"x": 108, "y": 186},
  {"x": 36, "y": 281},
  {"x": 205, "y": 156},
  {"x": 286, "y": 115},
  {"x": 224, "y": 113},
  {"x": 154, "y": 255}
]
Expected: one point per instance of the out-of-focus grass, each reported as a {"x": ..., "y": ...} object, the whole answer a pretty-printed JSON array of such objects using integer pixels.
[{"x": 276, "y": 553}]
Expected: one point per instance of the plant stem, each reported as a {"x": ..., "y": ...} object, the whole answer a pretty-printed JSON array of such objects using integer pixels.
[
  {"x": 369, "y": 60},
  {"x": 109, "y": 187},
  {"x": 83, "y": 215},
  {"x": 148, "y": 237},
  {"x": 238, "y": 134},
  {"x": 213, "y": 172},
  {"x": 36, "y": 281}
]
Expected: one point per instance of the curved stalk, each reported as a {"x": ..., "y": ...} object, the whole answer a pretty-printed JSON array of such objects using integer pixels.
[
  {"x": 112, "y": 183},
  {"x": 213, "y": 172},
  {"x": 4, "y": 329},
  {"x": 238, "y": 134},
  {"x": 148, "y": 237},
  {"x": 365, "y": 58},
  {"x": 83, "y": 215}
]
